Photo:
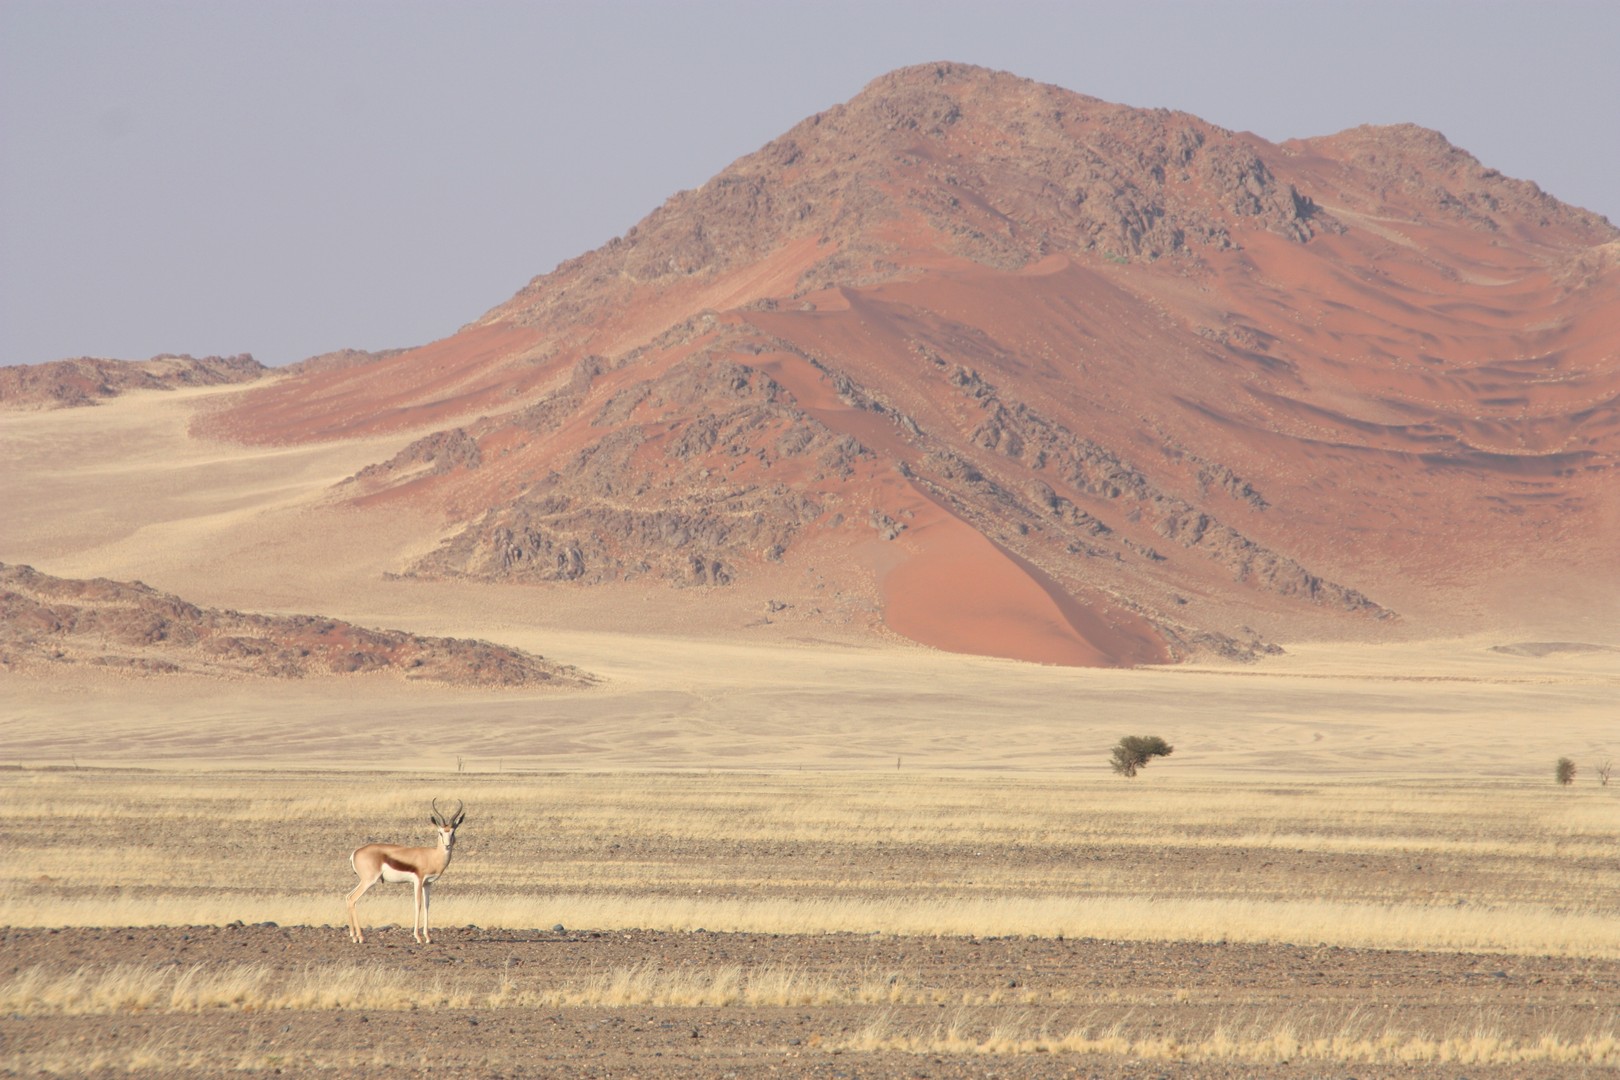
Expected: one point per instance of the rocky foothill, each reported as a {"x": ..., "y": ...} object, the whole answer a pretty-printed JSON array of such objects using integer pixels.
[
  {"x": 51, "y": 622},
  {"x": 63, "y": 384}
]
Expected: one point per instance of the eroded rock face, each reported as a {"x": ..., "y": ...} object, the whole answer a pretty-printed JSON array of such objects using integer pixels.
[
  {"x": 432, "y": 455},
  {"x": 653, "y": 493},
  {"x": 50, "y": 621}
]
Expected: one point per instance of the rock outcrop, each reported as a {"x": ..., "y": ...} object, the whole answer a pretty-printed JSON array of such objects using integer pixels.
[
  {"x": 63, "y": 384},
  {"x": 52, "y": 622}
]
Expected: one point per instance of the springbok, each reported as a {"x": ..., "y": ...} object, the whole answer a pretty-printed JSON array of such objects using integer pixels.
[{"x": 421, "y": 866}]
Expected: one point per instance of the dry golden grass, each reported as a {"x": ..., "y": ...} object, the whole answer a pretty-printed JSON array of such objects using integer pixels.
[
  {"x": 1460, "y": 866},
  {"x": 95, "y": 989},
  {"x": 1471, "y": 1049},
  {"x": 972, "y": 1027},
  {"x": 91, "y": 989},
  {"x": 1297, "y": 1039}
]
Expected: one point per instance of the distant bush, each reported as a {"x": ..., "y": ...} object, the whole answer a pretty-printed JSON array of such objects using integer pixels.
[
  {"x": 1565, "y": 771},
  {"x": 1135, "y": 751}
]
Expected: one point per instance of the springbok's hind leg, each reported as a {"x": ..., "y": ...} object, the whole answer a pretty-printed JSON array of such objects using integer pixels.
[{"x": 354, "y": 917}]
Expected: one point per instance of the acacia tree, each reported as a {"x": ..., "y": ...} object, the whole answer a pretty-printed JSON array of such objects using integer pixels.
[
  {"x": 1564, "y": 772},
  {"x": 1135, "y": 751}
]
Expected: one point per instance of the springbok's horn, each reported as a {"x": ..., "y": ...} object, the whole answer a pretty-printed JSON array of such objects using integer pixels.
[
  {"x": 460, "y": 811},
  {"x": 438, "y": 818}
]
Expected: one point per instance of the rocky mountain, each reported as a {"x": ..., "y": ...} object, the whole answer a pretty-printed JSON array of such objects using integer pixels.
[
  {"x": 1047, "y": 377},
  {"x": 88, "y": 380},
  {"x": 53, "y": 622}
]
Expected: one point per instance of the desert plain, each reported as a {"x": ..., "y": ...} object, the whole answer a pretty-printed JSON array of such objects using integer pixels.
[
  {"x": 761, "y": 843},
  {"x": 770, "y": 586}
]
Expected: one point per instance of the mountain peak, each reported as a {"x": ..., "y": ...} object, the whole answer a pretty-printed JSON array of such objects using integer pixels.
[
  {"x": 1418, "y": 170},
  {"x": 962, "y": 162}
]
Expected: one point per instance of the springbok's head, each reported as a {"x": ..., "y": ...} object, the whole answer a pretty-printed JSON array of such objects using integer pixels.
[{"x": 447, "y": 823}]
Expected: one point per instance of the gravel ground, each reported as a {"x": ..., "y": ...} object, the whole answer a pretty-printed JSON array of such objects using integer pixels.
[{"x": 1148, "y": 989}]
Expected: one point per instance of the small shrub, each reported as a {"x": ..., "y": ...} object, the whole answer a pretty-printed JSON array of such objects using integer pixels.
[
  {"x": 1604, "y": 770},
  {"x": 1565, "y": 771},
  {"x": 1135, "y": 751}
]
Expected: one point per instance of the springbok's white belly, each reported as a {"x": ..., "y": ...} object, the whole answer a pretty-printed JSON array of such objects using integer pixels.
[{"x": 390, "y": 874}]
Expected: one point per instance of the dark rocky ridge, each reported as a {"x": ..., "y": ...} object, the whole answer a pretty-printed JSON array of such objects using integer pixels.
[
  {"x": 634, "y": 502},
  {"x": 88, "y": 380},
  {"x": 52, "y": 621}
]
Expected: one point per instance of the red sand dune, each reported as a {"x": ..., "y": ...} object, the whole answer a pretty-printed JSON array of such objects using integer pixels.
[
  {"x": 957, "y": 590},
  {"x": 467, "y": 371}
]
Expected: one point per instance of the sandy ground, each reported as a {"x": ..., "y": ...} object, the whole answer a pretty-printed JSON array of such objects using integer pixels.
[
  {"x": 122, "y": 491},
  {"x": 675, "y": 704}
]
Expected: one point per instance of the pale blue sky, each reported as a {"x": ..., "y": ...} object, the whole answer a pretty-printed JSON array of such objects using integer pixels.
[{"x": 285, "y": 178}]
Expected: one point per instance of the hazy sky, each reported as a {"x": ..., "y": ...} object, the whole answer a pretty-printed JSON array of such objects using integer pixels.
[{"x": 286, "y": 178}]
